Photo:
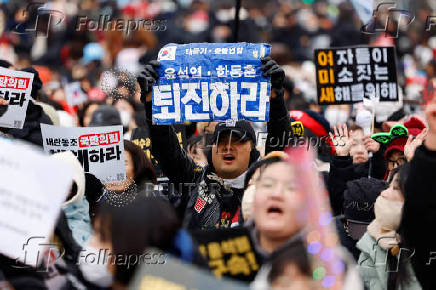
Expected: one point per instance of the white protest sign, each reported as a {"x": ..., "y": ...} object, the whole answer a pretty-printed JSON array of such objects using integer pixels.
[
  {"x": 74, "y": 94},
  {"x": 100, "y": 150},
  {"x": 32, "y": 189},
  {"x": 15, "y": 88}
]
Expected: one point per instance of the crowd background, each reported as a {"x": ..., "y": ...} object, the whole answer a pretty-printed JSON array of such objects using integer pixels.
[
  {"x": 106, "y": 61},
  {"x": 68, "y": 51}
]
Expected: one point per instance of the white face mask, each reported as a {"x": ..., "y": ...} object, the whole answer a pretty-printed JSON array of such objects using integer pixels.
[
  {"x": 125, "y": 118},
  {"x": 96, "y": 272},
  {"x": 388, "y": 213},
  {"x": 334, "y": 116},
  {"x": 197, "y": 25}
]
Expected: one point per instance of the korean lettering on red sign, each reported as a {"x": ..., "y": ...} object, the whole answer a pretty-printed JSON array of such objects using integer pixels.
[
  {"x": 18, "y": 83},
  {"x": 92, "y": 140}
]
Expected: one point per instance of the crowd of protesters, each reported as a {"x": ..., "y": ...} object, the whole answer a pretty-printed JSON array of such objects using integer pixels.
[{"x": 380, "y": 195}]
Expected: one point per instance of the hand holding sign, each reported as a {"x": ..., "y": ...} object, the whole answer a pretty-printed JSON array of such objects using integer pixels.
[
  {"x": 201, "y": 82},
  {"x": 100, "y": 150},
  {"x": 147, "y": 78},
  {"x": 15, "y": 92},
  {"x": 3, "y": 106},
  {"x": 277, "y": 74},
  {"x": 28, "y": 207}
]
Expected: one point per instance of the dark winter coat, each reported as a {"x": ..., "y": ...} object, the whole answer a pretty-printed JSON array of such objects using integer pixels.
[
  {"x": 419, "y": 215},
  {"x": 343, "y": 170},
  {"x": 221, "y": 205}
]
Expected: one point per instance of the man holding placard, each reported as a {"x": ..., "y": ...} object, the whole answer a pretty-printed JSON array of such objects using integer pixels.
[{"x": 212, "y": 195}]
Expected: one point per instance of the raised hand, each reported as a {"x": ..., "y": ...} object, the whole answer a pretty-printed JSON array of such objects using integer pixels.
[
  {"x": 412, "y": 144},
  {"x": 147, "y": 78},
  {"x": 342, "y": 138},
  {"x": 370, "y": 144},
  {"x": 430, "y": 113},
  {"x": 277, "y": 74}
]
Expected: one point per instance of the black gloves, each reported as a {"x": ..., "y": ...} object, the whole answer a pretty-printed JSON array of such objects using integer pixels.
[
  {"x": 3, "y": 109},
  {"x": 147, "y": 78},
  {"x": 277, "y": 74}
]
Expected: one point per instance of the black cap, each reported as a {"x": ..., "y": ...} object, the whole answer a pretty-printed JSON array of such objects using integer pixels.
[
  {"x": 359, "y": 198},
  {"x": 105, "y": 116},
  {"x": 37, "y": 83},
  {"x": 241, "y": 128}
]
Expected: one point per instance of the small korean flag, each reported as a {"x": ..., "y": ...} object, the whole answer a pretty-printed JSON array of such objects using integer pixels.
[{"x": 167, "y": 53}]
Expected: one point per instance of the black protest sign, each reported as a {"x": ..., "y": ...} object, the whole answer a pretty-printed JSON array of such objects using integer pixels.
[
  {"x": 176, "y": 275},
  {"x": 349, "y": 74},
  {"x": 229, "y": 252},
  {"x": 141, "y": 137}
]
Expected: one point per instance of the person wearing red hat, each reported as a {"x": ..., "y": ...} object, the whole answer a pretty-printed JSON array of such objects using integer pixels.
[{"x": 401, "y": 149}]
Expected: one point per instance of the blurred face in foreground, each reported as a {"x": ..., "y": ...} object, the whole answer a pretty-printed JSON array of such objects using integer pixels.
[
  {"x": 293, "y": 279},
  {"x": 277, "y": 203},
  {"x": 230, "y": 156},
  {"x": 358, "y": 150}
]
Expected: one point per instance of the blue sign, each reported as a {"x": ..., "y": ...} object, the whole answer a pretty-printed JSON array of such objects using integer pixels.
[{"x": 201, "y": 82}]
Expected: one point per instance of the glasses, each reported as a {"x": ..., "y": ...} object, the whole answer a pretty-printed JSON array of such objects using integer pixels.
[
  {"x": 270, "y": 184},
  {"x": 398, "y": 162}
]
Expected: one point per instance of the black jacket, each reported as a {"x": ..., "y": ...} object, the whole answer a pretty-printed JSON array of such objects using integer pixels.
[
  {"x": 419, "y": 215},
  {"x": 209, "y": 204},
  {"x": 343, "y": 170},
  {"x": 31, "y": 131}
]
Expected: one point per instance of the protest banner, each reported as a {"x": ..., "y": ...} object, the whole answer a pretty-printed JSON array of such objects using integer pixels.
[
  {"x": 15, "y": 88},
  {"x": 32, "y": 189},
  {"x": 141, "y": 138},
  {"x": 176, "y": 275},
  {"x": 229, "y": 252},
  {"x": 100, "y": 150},
  {"x": 348, "y": 75},
  {"x": 74, "y": 94},
  {"x": 202, "y": 82}
]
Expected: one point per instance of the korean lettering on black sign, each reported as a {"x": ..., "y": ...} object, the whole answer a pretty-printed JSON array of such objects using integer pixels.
[{"x": 347, "y": 75}]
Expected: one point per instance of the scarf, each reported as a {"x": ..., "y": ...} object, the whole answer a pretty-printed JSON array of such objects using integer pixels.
[{"x": 387, "y": 220}]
